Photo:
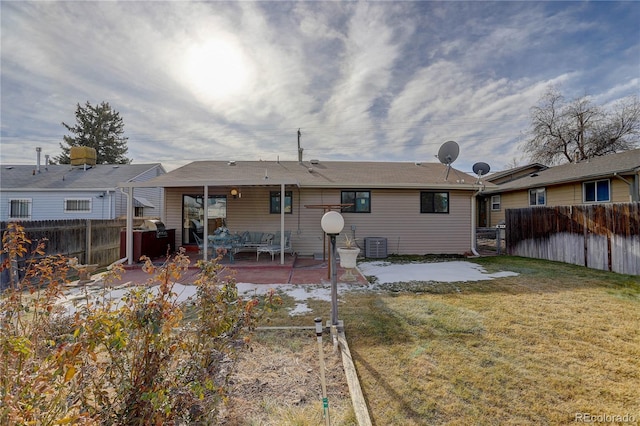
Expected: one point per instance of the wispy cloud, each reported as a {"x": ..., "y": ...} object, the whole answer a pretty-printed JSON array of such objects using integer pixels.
[{"x": 363, "y": 80}]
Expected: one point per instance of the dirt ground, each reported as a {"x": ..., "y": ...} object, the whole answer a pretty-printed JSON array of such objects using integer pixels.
[{"x": 278, "y": 382}]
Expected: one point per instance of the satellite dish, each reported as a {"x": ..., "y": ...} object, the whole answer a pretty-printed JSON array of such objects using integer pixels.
[
  {"x": 447, "y": 154},
  {"x": 481, "y": 169}
]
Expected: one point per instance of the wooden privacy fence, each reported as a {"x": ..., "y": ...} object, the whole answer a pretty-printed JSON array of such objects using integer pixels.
[
  {"x": 91, "y": 241},
  {"x": 605, "y": 237}
]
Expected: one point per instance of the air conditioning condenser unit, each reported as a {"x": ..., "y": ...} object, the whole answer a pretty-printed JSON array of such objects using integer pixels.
[{"x": 375, "y": 247}]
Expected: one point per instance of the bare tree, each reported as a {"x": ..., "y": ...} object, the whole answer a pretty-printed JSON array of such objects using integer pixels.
[{"x": 573, "y": 131}]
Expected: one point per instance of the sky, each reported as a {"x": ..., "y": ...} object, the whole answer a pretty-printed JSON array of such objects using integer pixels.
[
  {"x": 385, "y": 273},
  {"x": 363, "y": 81}
]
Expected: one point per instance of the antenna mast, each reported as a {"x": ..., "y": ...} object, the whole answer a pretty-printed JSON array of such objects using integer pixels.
[{"x": 299, "y": 149}]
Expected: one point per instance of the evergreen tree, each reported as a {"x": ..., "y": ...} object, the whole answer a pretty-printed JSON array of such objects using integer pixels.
[{"x": 99, "y": 127}]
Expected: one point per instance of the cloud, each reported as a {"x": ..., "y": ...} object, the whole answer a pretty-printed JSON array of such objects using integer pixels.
[{"x": 364, "y": 80}]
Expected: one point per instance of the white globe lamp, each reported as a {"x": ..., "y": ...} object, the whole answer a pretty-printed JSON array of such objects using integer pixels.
[{"x": 332, "y": 223}]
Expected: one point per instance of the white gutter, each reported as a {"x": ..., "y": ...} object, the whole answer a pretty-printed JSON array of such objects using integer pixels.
[{"x": 57, "y": 190}]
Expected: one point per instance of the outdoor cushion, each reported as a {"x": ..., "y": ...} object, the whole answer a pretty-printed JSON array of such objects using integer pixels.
[{"x": 250, "y": 239}]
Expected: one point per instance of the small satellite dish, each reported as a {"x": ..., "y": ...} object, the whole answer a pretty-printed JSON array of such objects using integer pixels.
[
  {"x": 447, "y": 154},
  {"x": 481, "y": 169}
]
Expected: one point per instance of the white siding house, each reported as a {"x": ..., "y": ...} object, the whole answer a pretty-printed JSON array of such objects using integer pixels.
[{"x": 76, "y": 192}]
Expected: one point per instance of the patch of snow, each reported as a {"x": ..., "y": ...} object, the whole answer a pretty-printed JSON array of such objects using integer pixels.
[
  {"x": 456, "y": 271},
  {"x": 385, "y": 272}
]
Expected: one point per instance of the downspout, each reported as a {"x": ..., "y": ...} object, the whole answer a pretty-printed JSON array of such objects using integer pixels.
[
  {"x": 473, "y": 223},
  {"x": 633, "y": 186}
]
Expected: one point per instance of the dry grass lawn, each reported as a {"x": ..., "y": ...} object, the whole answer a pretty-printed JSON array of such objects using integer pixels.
[{"x": 540, "y": 348}]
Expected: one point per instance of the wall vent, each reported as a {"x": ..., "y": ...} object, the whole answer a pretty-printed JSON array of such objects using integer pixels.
[{"x": 375, "y": 247}]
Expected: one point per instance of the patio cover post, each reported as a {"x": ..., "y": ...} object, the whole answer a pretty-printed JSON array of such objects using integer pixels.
[
  {"x": 129, "y": 232},
  {"x": 205, "y": 225},
  {"x": 282, "y": 197}
]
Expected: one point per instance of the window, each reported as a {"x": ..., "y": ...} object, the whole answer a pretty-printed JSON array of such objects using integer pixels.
[
  {"x": 138, "y": 211},
  {"x": 495, "y": 202},
  {"x": 274, "y": 203},
  {"x": 434, "y": 202},
  {"x": 537, "y": 197},
  {"x": 20, "y": 209},
  {"x": 597, "y": 191},
  {"x": 361, "y": 201},
  {"x": 77, "y": 205}
]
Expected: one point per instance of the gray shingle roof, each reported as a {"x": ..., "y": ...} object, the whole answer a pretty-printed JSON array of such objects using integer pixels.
[
  {"x": 59, "y": 177},
  {"x": 323, "y": 174},
  {"x": 627, "y": 162}
]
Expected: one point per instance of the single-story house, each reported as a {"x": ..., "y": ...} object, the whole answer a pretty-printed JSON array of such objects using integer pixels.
[
  {"x": 613, "y": 178},
  {"x": 415, "y": 208},
  {"x": 50, "y": 192}
]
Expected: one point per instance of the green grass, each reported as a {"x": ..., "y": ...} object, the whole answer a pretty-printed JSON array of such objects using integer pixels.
[{"x": 537, "y": 348}]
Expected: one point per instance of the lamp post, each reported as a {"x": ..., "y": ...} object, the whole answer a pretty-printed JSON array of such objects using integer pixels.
[{"x": 332, "y": 223}]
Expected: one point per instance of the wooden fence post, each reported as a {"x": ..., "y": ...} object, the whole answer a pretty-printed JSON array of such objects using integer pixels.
[{"x": 88, "y": 243}]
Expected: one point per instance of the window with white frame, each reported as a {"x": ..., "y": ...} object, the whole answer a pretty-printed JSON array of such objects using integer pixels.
[
  {"x": 77, "y": 205},
  {"x": 495, "y": 202},
  {"x": 20, "y": 208},
  {"x": 598, "y": 191},
  {"x": 537, "y": 197}
]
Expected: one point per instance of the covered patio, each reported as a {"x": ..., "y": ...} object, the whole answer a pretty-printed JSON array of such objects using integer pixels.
[{"x": 209, "y": 226}]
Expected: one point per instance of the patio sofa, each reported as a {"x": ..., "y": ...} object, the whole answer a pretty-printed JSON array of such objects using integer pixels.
[
  {"x": 250, "y": 241},
  {"x": 223, "y": 242}
]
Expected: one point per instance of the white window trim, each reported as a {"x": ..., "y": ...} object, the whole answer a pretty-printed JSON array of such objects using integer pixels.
[
  {"x": 29, "y": 202},
  {"x": 537, "y": 190},
  {"x": 78, "y": 199},
  {"x": 595, "y": 182},
  {"x": 499, "y": 203}
]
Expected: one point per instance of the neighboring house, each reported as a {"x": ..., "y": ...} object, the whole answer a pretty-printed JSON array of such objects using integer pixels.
[
  {"x": 50, "y": 192},
  {"x": 418, "y": 208},
  {"x": 608, "y": 179},
  {"x": 486, "y": 204},
  {"x": 505, "y": 176}
]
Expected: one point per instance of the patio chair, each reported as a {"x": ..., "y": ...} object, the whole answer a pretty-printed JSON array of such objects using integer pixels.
[
  {"x": 200, "y": 243},
  {"x": 274, "y": 247}
]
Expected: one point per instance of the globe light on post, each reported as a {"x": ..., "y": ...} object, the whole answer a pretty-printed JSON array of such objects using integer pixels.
[{"x": 332, "y": 223}]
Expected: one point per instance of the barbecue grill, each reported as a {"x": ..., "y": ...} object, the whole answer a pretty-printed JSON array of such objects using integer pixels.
[
  {"x": 152, "y": 239},
  {"x": 156, "y": 225}
]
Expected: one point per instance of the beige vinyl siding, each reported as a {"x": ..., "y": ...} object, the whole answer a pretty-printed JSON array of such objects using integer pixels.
[
  {"x": 559, "y": 195},
  {"x": 395, "y": 215},
  {"x": 509, "y": 200}
]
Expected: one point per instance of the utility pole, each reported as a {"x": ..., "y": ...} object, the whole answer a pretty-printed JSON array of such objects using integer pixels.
[{"x": 299, "y": 149}]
